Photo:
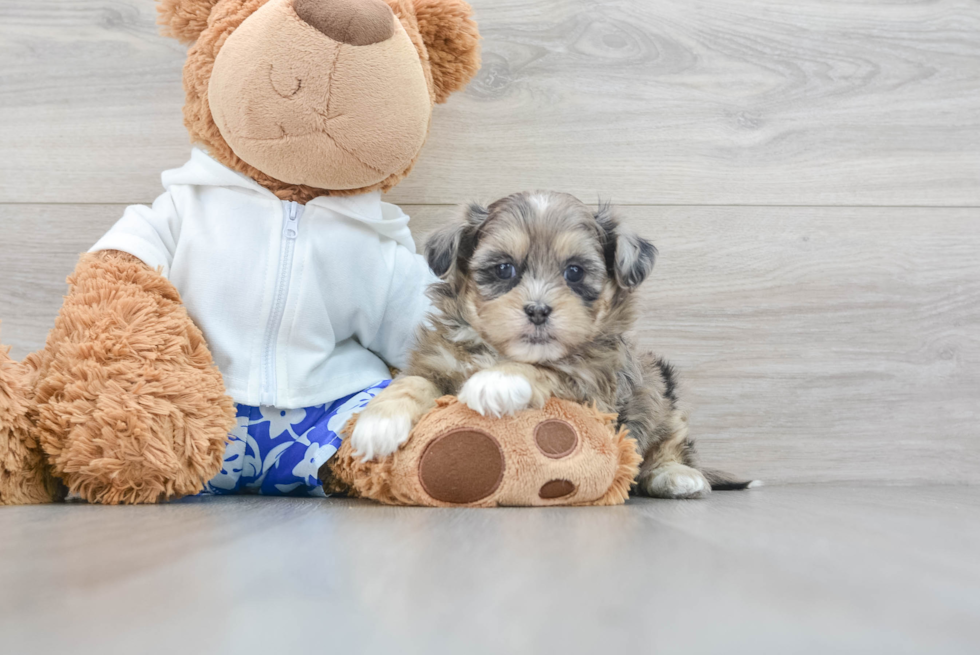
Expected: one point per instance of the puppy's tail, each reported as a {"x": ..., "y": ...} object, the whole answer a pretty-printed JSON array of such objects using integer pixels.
[{"x": 722, "y": 481}]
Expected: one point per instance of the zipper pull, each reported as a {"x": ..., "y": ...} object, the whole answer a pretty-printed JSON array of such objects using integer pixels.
[{"x": 291, "y": 227}]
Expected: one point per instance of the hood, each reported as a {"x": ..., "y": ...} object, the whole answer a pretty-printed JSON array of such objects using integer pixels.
[{"x": 384, "y": 218}]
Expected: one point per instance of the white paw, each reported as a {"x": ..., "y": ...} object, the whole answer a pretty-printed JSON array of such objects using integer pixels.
[
  {"x": 677, "y": 481},
  {"x": 377, "y": 435},
  {"x": 493, "y": 393}
]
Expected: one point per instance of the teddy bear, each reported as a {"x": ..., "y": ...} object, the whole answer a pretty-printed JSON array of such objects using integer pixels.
[
  {"x": 220, "y": 340},
  {"x": 265, "y": 293},
  {"x": 224, "y": 339}
]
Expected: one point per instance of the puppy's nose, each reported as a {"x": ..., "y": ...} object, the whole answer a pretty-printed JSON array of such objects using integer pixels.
[
  {"x": 537, "y": 313},
  {"x": 354, "y": 22}
]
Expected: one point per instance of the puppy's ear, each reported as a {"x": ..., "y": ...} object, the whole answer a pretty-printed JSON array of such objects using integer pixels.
[
  {"x": 629, "y": 257},
  {"x": 184, "y": 20},
  {"x": 448, "y": 248}
]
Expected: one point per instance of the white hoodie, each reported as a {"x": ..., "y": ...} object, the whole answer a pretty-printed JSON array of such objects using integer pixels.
[{"x": 294, "y": 300}]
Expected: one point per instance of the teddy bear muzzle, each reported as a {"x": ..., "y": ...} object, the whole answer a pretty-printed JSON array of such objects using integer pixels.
[{"x": 326, "y": 93}]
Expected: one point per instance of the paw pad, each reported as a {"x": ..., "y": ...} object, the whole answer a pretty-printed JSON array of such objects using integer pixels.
[
  {"x": 461, "y": 466},
  {"x": 555, "y": 438},
  {"x": 556, "y": 489}
]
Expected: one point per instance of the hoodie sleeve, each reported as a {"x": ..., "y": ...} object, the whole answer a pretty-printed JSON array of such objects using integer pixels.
[
  {"x": 147, "y": 233},
  {"x": 406, "y": 307}
]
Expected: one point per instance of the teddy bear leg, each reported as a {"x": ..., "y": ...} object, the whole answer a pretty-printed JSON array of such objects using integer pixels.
[
  {"x": 130, "y": 407},
  {"x": 25, "y": 477},
  {"x": 562, "y": 454},
  {"x": 452, "y": 465}
]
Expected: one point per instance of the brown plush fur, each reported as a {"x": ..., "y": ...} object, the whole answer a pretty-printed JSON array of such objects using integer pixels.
[
  {"x": 184, "y": 20},
  {"x": 452, "y": 70},
  {"x": 601, "y": 467},
  {"x": 129, "y": 405},
  {"x": 25, "y": 477},
  {"x": 450, "y": 37},
  {"x": 308, "y": 109}
]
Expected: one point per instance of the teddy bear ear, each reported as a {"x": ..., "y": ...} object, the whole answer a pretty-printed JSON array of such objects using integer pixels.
[
  {"x": 451, "y": 37},
  {"x": 184, "y": 20}
]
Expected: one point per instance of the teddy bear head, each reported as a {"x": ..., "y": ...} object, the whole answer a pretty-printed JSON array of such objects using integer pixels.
[{"x": 319, "y": 97}]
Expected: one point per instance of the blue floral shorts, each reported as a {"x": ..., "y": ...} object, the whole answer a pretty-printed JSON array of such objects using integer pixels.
[{"x": 279, "y": 451}]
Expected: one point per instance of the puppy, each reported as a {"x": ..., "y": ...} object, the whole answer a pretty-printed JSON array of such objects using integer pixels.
[{"x": 535, "y": 300}]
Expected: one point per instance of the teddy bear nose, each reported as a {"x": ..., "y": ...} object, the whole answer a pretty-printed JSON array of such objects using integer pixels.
[{"x": 354, "y": 22}]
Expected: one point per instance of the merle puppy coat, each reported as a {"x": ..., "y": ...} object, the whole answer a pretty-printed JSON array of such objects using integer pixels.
[{"x": 536, "y": 300}]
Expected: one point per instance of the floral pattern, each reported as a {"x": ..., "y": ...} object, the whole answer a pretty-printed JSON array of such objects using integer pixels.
[{"x": 275, "y": 451}]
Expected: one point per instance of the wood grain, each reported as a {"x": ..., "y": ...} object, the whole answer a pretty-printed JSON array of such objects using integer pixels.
[
  {"x": 772, "y": 102},
  {"x": 816, "y": 344},
  {"x": 793, "y": 569}
]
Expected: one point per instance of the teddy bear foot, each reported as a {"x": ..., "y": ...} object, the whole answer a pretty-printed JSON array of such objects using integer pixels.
[{"x": 562, "y": 454}]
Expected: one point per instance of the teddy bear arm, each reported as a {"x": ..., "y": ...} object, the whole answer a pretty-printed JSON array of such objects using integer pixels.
[{"x": 129, "y": 407}]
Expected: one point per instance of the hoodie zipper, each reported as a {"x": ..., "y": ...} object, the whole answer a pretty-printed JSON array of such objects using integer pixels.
[{"x": 291, "y": 213}]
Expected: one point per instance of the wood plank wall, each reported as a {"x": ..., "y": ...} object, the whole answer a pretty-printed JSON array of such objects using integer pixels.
[{"x": 809, "y": 169}]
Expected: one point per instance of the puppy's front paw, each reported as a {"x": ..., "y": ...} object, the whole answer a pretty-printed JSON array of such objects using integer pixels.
[
  {"x": 378, "y": 434},
  {"x": 493, "y": 393},
  {"x": 675, "y": 481}
]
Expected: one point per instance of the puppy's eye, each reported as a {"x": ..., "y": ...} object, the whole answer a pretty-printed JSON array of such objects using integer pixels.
[
  {"x": 505, "y": 271},
  {"x": 574, "y": 274}
]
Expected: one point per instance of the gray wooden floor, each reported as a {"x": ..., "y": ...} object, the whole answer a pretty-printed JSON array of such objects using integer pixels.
[
  {"x": 810, "y": 170},
  {"x": 795, "y": 569}
]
